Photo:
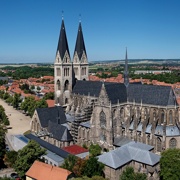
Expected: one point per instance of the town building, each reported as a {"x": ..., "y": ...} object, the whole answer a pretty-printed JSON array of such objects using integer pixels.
[{"x": 41, "y": 171}]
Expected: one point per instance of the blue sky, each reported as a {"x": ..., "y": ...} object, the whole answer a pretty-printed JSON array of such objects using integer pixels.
[{"x": 29, "y": 29}]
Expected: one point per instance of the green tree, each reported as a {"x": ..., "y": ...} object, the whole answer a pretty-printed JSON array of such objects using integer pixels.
[
  {"x": 170, "y": 164},
  {"x": 32, "y": 87},
  {"x": 16, "y": 100},
  {"x": 69, "y": 162},
  {"x": 41, "y": 103},
  {"x": 49, "y": 95},
  {"x": 79, "y": 167},
  {"x": 38, "y": 88},
  {"x": 129, "y": 173},
  {"x": 3, "y": 117},
  {"x": 93, "y": 167},
  {"x": 87, "y": 178},
  {"x": 26, "y": 157},
  {"x": 6, "y": 95},
  {"x": 2, "y": 144},
  {"x": 9, "y": 100},
  {"x": 10, "y": 158},
  {"x": 28, "y": 101},
  {"x": 1, "y": 94},
  {"x": 95, "y": 150}
]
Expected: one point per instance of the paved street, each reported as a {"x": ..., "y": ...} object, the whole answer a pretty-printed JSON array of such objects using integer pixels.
[{"x": 19, "y": 122}]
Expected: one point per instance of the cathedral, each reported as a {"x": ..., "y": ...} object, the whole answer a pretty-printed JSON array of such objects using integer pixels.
[{"x": 108, "y": 114}]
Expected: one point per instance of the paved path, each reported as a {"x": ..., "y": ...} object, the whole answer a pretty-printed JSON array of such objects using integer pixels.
[
  {"x": 6, "y": 172},
  {"x": 19, "y": 122}
]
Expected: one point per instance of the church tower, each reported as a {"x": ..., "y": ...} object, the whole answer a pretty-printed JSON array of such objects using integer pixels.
[
  {"x": 80, "y": 61},
  {"x": 126, "y": 73},
  {"x": 62, "y": 70}
]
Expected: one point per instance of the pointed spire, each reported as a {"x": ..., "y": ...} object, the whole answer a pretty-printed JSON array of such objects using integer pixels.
[
  {"x": 126, "y": 73},
  {"x": 62, "y": 43},
  {"x": 80, "y": 46}
]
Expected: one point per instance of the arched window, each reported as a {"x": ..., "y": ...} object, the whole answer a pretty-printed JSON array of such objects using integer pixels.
[
  {"x": 159, "y": 144},
  {"x": 162, "y": 117},
  {"x": 170, "y": 117},
  {"x": 58, "y": 85},
  {"x": 102, "y": 137},
  {"x": 38, "y": 127},
  {"x": 66, "y": 85},
  {"x": 154, "y": 115},
  {"x": 139, "y": 137},
  {"x": 115, "y": 125},
  {"x": 32, "y": 125},
  {"x": 102, "y": 119},
  {"x": 148, "y": 139},
  {"x": 138, "y": 112},
  {"x": 88, "y": 135},
  {"x": 172, "y": 143},
  {"x": 58, "y": 70},
  {"x": 66, "y": 101},
  {"x": 122, "y": 112},
  {"x": 145, "y": 113}
]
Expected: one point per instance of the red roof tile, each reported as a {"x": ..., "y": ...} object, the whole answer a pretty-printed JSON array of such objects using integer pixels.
[
  {"x": 75, "y": 149},
  {"x": 42, "y": 171}
]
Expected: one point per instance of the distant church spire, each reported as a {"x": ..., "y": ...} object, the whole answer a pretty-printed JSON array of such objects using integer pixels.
[
  {"x": 126, "y": 73},
  {"x": 80, "y": 45},
  {"x": 62, "y": 43}
]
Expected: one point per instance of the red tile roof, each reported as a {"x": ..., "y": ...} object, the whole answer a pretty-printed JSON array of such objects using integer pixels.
[
  {"x": 75, "y": 149},
  {"x": 51, "y": 103},
  {"x": 42, "y": 171}
]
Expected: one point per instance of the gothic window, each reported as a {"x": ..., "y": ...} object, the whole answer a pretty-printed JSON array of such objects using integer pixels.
[
  {"x": 76, "y": 71},
  {"x": 138, "y": 112},
  {"x": 115, "y": 126},
  {"x": 38, "y": 127},
  {"x": 145, "y": 113},
  {"x": 32, "y": 125},
  {"x": 122, "y": 112},
  {"x": 148, "y": 139},
  {"x": 54, "y": 142},
  {"x": 139, "y": 137},
  {"x": 162, "y": 117},
  {"x": 131, "y": 133},
  {"x": 88, "y": 135},
  {"x": 66, "y": 101},
  {"x": 172, "y": 143},
  {"x": 58, "y": 85},
  {"x": 102, "y": 137},
  {"x": 170, "y": 117},
  {"x": 102, "y": 119},
  {"x": 159, "y": 146},
  {"x": 58, "y": 72},
  {"x": 66, "y": 85},
  {"x": 154, "y": 115}
]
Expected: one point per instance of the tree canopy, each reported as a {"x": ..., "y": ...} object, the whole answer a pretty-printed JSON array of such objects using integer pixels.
[
  {"x": 95, "y": 150},
  {"x": 10, "y": 158},
  {"x": 26, "y": 157},
  {"x": 170, "y": 164},
  {"x": 2, "y": 143},
  {"x": 129, "y": 173}
]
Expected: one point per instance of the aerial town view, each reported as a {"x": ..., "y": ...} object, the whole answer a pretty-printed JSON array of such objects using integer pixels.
[{"x": 89, "y": 90}]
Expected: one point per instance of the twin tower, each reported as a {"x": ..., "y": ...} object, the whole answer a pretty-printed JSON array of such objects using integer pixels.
[{"x": 67, "y": 72}]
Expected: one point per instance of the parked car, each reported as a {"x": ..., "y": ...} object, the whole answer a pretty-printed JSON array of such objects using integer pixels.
[{"x": 14, "y": 176}]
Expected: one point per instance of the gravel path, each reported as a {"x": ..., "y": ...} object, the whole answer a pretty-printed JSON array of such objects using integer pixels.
[{"x": 19, "y": 122}]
